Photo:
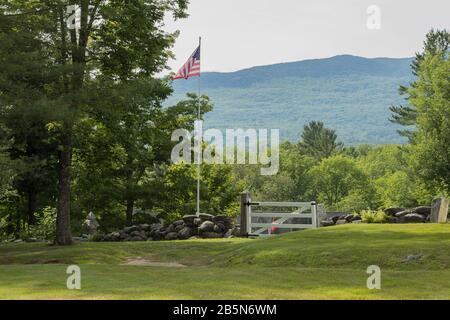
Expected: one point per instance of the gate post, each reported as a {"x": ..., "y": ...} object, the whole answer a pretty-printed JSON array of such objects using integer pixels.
[
  {"x": 245, "y": 213},
  {"x": 314, "y": 221}
]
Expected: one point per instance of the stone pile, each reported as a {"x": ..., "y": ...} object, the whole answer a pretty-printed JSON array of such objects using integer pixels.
[
  {"x": 395, "y": 215},
  {"x": 401, "y": 215},
  {"x": 190, "y": 227},
  {"x": 341, "y": 219}
]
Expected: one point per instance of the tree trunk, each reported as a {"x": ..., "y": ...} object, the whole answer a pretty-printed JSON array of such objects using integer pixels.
[
  {"x": 32, "y": 203},
  {"x": 63, "y": 234},
  {"x": 130, "y": 206}
]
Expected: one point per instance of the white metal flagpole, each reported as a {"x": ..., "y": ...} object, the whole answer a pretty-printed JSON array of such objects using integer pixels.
[{"x": 199, "y": 151}]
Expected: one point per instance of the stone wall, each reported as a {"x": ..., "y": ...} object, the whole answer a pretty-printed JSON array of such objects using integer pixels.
[{"x": 190, "y": 227}]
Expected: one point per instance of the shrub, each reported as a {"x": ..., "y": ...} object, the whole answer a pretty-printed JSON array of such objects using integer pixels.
[{"x": 370, "y": 216}]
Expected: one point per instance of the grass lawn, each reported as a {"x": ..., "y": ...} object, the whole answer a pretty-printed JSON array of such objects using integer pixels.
[{"x": 327, "y": 263}]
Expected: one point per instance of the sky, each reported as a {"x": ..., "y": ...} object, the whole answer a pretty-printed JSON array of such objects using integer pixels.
[{"x": 238, "y": 34}]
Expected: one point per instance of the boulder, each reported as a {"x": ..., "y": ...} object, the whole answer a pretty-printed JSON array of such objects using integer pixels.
[
  {"x": 189, "y": 219},
  {"x": 422, "y": 210},
  {"x": 393, "y": 219},
  {"x": 197, "y": 221},
  {"x": 178, "y": 223},
  {"x": 211, "y": 235},
  {"x": 171, "y": 236},
  {"x": 185, "y": 233},
  {"x": 130, "y": 229},
  {"x": 413, "y": 218},
  {"x": 207, "y": 226},
  {"x": 393, "y": 211},
  {"x": 179, "y": 227},
  {"x": 356, "y": 218},
  {"x": 145, "y": 227},
  {"x": 335, "y": 219},
  {"x": 327, "y": 223},
  {"x": 135, "y": 234},
  {"x": 205, "y": 217},
  {"x": 348, "y": 217},
  {"x": 402, "y": 213},
  {"x": 341, "y": 221}
]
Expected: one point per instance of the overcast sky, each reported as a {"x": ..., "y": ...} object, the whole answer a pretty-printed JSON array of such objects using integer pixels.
[{"x": 239, "y": 34}]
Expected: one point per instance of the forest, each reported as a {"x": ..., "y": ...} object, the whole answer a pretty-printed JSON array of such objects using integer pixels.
[{"x": 84, "y": 129}]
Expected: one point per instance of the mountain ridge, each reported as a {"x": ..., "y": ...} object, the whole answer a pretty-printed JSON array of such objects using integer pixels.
[{"x": 348, "y": 93}]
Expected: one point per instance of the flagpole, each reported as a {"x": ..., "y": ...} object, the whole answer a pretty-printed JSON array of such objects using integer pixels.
[{"x": 199, "y": 152}]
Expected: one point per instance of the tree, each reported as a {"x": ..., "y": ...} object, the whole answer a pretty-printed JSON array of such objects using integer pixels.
[
  {"x": 69, "y": 71},
  {"x": 123, "y": 150},
  {"x": 335, "y": 177},
  {"x": 318, "y": 141},
  {"x": 436, "y": 42},
  {"x": 430, "y": 96}
]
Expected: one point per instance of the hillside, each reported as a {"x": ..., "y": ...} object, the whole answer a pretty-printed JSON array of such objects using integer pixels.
[
  {"x": 325, "y": 263},
  {"x": 348, "y": 93}
]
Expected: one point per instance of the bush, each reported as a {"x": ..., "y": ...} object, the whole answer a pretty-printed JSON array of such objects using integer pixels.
[
  {"x": 370, "y": 216},
  {"x": 45, "y": 228}
]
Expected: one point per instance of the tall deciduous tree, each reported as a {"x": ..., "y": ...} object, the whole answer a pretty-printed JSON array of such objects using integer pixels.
[
  {"x": 436, "y": 42},
  {"x": 69, "y": 66}
]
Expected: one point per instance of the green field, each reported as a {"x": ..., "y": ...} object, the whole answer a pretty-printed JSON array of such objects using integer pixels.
[{"x": 328, "y": 263}]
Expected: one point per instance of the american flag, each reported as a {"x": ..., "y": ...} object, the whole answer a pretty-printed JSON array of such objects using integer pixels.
[{"x": 191, "y": 68}]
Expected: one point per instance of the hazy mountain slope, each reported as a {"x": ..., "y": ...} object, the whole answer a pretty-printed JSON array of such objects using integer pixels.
[{"x": 350, "y": 94}]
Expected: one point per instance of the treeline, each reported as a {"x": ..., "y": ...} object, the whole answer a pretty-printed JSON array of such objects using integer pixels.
[{"x": 83, "y": 129}]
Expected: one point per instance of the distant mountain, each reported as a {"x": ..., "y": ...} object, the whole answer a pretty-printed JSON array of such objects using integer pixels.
[{"x": 348, "y": 93}]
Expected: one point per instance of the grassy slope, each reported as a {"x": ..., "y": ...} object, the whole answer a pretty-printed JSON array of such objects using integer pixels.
[{"x": 327, "y": 263}]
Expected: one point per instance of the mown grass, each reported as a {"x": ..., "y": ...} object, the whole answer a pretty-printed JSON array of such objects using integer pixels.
[{"x": 329, "y": 263}]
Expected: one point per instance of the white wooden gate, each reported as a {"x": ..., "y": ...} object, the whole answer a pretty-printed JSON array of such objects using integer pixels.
[{"x": 267, "y": 218}]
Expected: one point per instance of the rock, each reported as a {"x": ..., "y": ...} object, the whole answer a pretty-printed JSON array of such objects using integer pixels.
[
  {"x": 31, "y": 240},
  {"x": 189, "y": 219},
  {"x": 137, "y": 238},
  {"x": 222, "y": 219},
  {"x": 341, "y": 221},
  {"x": 178, "y": 223},
  {"x": 218, "y": 229},
  {"x": 357, "y": 221},
  {"x": 145, "y": 227},
  {"x": 413, "y": 218},
  {"x": 205, "y": 217},
  {"x": 228, "y": 234},
  {"x": 439, "y": 210},
  {"x": 211, "y": 235},
  {"x": 335, "y": 219},
  {"x": 392, "y": 219},
  {"x": 236, "y": 231},
  {"x": 171, "y": 236},
  {"x": 327, "y": 223},
  {"x": 393, "y": 211},
  {"x": 348, "y": 217},
  {"x": 130, "y": 229},
  {"x": 197, "y": 221},
  {"x": 179, "y": 227},
  {"x": 170, "y": 228},
  {"x": 356, "y": 218},
  {"x": 207, "y": 226},
  {"x": 412, "y": 257},
  {"x": 185, "y": 233},
  {"x": 402, "y": 213},
  {"x": 194, "y": 237},
  {"x": 422, "y": 210},
  {"x": 135, "y": 234}
]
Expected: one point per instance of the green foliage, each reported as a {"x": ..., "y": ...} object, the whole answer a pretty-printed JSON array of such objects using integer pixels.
[
  {"x": 318, "y": 141},
  {"x": 437, "y": 42},
  {"x": 370, "y": 216},
  {"x": 335, "y": 177}
]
